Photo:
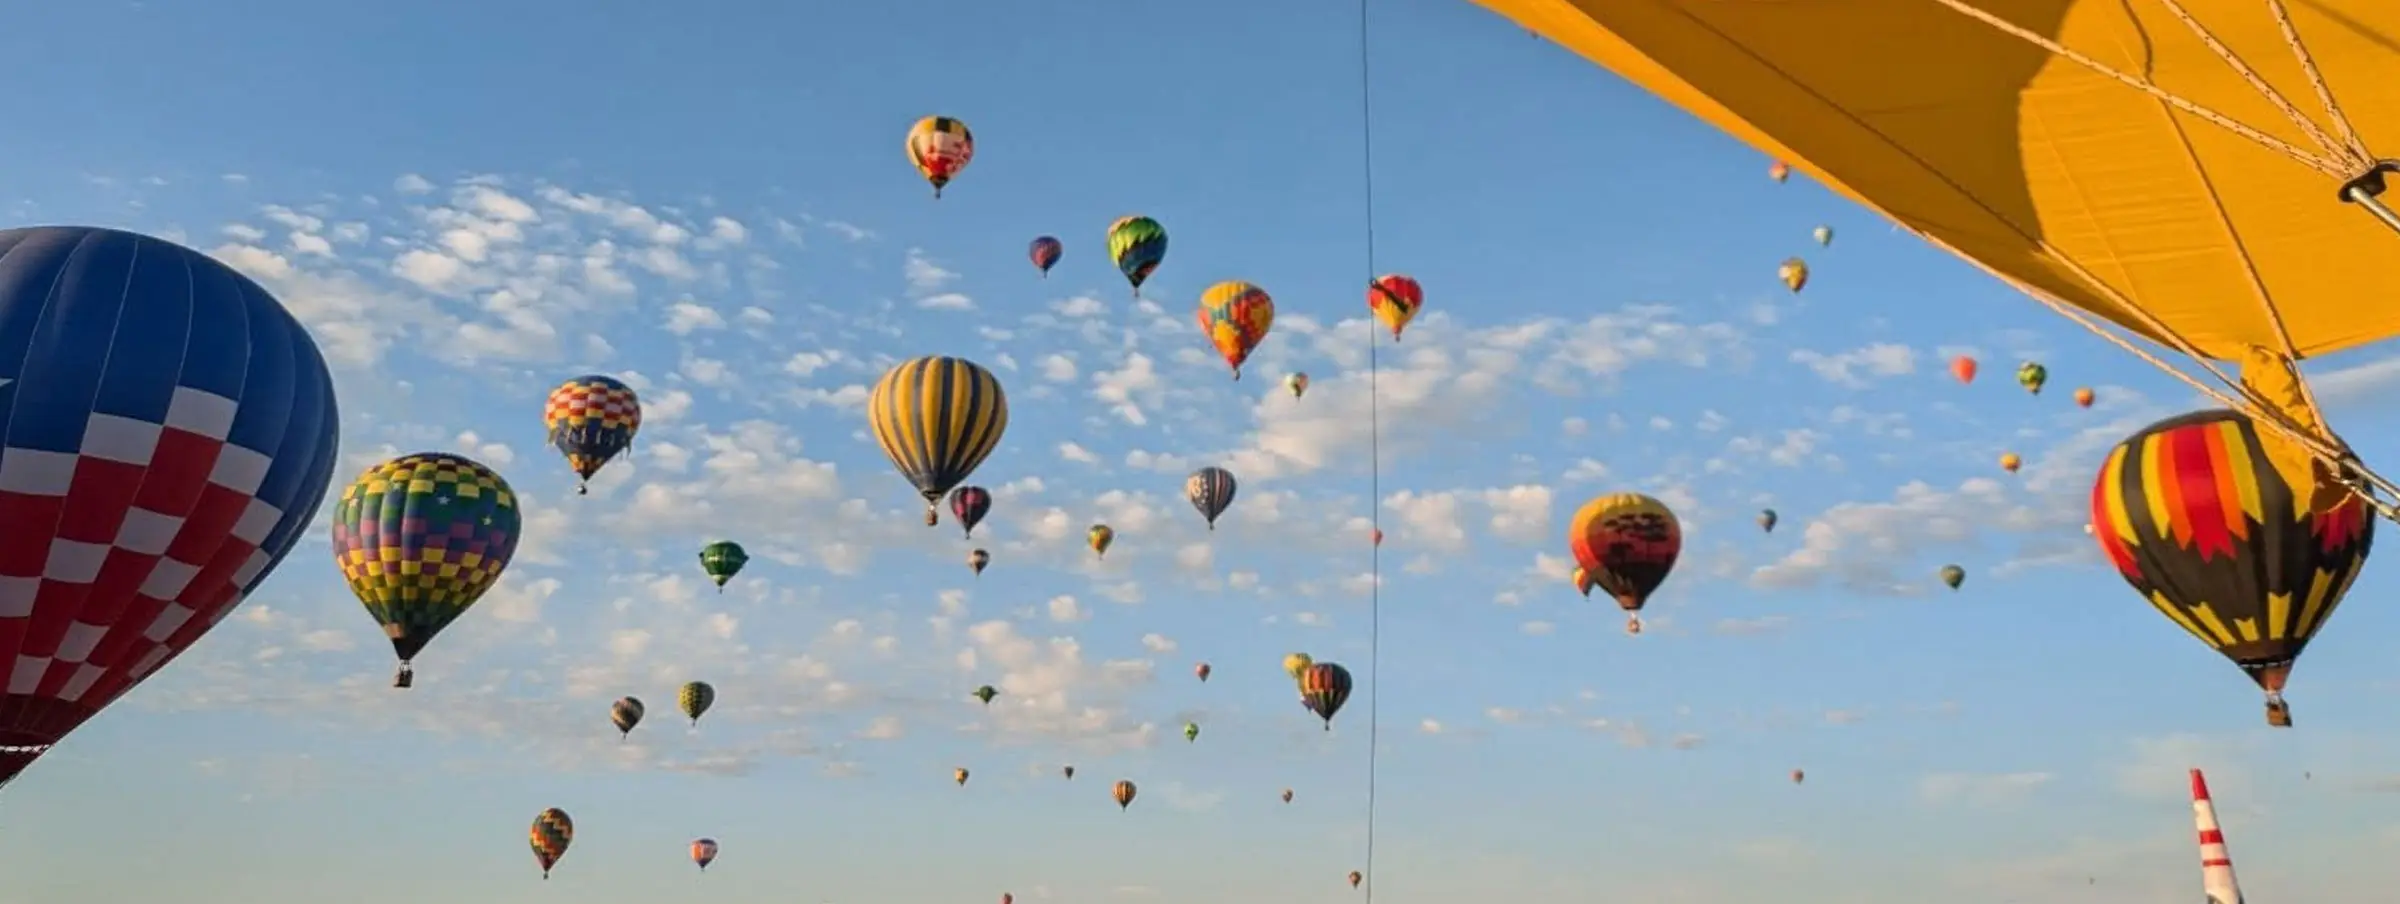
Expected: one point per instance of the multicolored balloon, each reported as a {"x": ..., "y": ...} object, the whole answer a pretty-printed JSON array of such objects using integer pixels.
[
  {"x": 1236, "y": 316},
  {"x": 2032, "y": 375},
  {"x": 1628, "y": 543},
  {"x": 1123, "y": 792},
  {"x": 1324, "y": 687},
  {"x": 940, "y": 147},
  {"x": 591, "y": 420},
  {"x": 704, "y": 852},
  {"x": 1297, "y": 382},
  {"x": 1210, "y": 490},
  {"x": 977, "y": 559},
  {"x": 1395, "y": 299},
  {"x": 1045, "y": 253},
  {"x": 1100, "y": 538},
  {"x": 625, "y": 714},
  {"x": 1793, "y": 272},
  {"x": 1953, "y": 576},
  {"x": 1137, "y": 245},
  {"x": 722, "y": 560},
  {"x": 959, "y": 775},
  {"x": 1202, "y": 671},
  {"x": 2216, "y": 531},
  {"x": 1767, "y": 520},
  {"x": 552, "y": 832},
  {"x": 937, "y": 418},
  {"x": 420, "y": 538},
  {"x": 170, "y": 432}
]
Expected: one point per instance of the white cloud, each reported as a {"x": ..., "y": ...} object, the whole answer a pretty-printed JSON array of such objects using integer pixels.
[{"x": 1856, "y": 367}]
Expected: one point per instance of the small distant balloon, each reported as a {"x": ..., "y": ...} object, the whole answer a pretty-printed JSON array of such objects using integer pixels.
[
  {"x": 2083, "y": 397},
  {"x": 1779, "y": 172},
  {"x": 1794, "y": 273},
  {"x": 977, "y": 559},
  {"x": 1823, "y": 235},
  {"x": 1963, "y": 368},
  {"x": 1100, "y": 538},
  {"x": 1297, "y": 382},
  {"x": 2010, "y": 462},
  {"x": 1767, "y": 519},
  {"x": 1045, "y": 252},
  {"x": 940, "y": 147},
  {"x": 1953, "y": 576}
]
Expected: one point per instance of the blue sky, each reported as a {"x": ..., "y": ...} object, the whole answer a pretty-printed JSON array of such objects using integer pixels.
[{"x": 471, "y": 202}]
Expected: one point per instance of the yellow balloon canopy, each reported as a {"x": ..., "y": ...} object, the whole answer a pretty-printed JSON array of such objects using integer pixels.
[{"x": 2101, "y": 155}]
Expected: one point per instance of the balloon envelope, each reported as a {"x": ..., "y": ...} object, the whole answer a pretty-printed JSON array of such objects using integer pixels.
[{"x": 167, "y": 431}]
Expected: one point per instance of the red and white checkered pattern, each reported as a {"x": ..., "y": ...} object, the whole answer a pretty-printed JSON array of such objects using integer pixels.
[
  {"x": 575, "y": 403},
  {"x": 118, "y": 557}
]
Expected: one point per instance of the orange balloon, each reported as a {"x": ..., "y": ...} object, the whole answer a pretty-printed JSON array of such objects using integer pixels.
[
  {"x": 2083, "y": 397},
  {"x": 2010, "y": 462},
  {"x": 1963, "y": 368}
]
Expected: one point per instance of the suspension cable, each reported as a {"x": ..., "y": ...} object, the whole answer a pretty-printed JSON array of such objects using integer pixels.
[{"x": 1366, "y": 147}]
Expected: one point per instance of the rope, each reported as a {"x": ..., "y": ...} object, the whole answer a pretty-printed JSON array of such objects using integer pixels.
[
  {"x": 1366, "y": 150},
  {"x": 2343, "y": 156}
]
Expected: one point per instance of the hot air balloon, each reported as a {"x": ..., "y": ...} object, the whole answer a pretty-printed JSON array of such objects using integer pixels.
[
  {"x": 1767, "y": 519},
  {"x": 1235, "y": 316},
  {"x": 1201, "y": 671},
  {"x": 552, "y": 832},
  {"x": 1793, "y": 272},
  {"x": 722, "y": 560},
  {"x": 1137, "y": 245},
  {"x": 1045, "y": 252},
  {"x": 704, "y": 852},
  {"x": 937, "y": 418},
  {"x": 1823, "y": 235},
  {"x": 1628, "y": 543},
  {"x": 977, "y": 559},
  {"x": 1099, "y": 538},
  {"x": 1210, "y": 490},
  {"x": 1583, "y": 581},
  {"x": 169, "y": 433},
  {"x": 1963, "y": 368},
  {"x": 2083, "y": 397},
  {"x": 2010, "y": 462},
  {"x": 420, "y": 538},
  {"x": 2288, "y": 110},
  {"x": 1355, "y": 878},
  {"x": 1395, "y": 300},
  {"x": 1287, "y": 795},
  {"x": 985, "y": 694},
  {"x": 1297, "y": 382},
  {"x": 1008, "y": 899},
  {"x": 591, "y": 420},
  {"x": 2217, "y": 535},
  {"x": 939, "y": 147},
  {"x": 1324, "y": 687},
  {"x": 1191, "y": 731},
  {"x": 1376, "y": 537},
  {"x": 1070, "y": 772},
  {"x": 1123, "y": 792},
  {"x": 2032, "y": 375},
  {"x": 968, "y": 505},
  {"x": 1778, "y": 172},
  {"x": 959, "y": 775},
  {"x": 694, "y": 698},
  {"x": 1799, "y": 776},
  {"x": 1295, "y": 663},
  {"x": 1953, "y": 576},
  {"x": 625, "y": 714}
]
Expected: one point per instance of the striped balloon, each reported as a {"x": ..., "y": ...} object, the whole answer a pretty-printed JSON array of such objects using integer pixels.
[
  {"x": 2195, "y": 515},
  {"x": 1210, "y": 490},
  {"x": 937, "y": 418},
  {"x": 552, "y": 832},
  {"x": 167, "y": 431},
  {"x": 1324, "y": 687}
]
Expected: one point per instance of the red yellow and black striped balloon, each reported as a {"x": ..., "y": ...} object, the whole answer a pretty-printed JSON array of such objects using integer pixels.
[{"x": 2198, "y": 519}]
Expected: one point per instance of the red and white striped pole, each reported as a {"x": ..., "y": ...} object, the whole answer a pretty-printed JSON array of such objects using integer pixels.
[{"x": 2216, "y": 864}]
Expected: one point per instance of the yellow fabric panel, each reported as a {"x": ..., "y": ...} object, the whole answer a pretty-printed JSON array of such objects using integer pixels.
[{"x": 2024, "y": 162}]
